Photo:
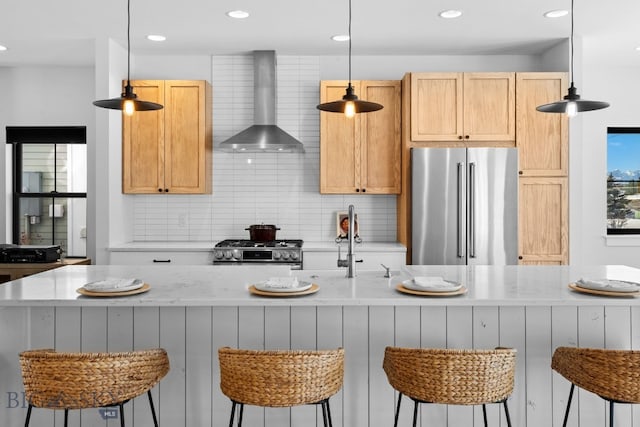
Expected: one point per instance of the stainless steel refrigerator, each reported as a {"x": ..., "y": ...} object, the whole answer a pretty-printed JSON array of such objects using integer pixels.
[{"x": 464, "y": 206}]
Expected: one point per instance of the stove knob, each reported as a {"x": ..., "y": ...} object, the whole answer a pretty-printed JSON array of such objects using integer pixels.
[
  {"x": 237, "y": 254},
  {"x": 218, "y": 254},
  {"x": 276, "y": 255},
  {"x": 285, "y": 255},
  {"x": 228, "y": 255},
  {"x": 294, "y": 255}
]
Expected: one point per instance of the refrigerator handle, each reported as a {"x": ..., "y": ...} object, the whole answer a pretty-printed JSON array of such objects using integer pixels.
[
  {"x": 472, "y": 210},
  {"x": 461, "y": 214}
]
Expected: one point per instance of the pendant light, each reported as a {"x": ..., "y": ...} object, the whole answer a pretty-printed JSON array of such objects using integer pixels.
[
  {"x": 571, "y": 103},
  {"x": 128, "y": 101},
  {"x": 349, "y": 104}
]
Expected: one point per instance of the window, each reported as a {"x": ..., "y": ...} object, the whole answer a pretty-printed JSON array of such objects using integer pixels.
[
  {"x": 623, "y": 180},
  {"x": 50, "y": 187}
]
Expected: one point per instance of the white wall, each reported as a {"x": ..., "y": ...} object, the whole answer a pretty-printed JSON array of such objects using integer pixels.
[
  {"x": 41, "y": 96},
  {"x": 621, "y": 88}
]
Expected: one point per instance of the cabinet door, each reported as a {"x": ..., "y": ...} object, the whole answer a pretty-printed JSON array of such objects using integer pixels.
[
  {"x": 543, "y": 139},
  {"x": 185, "y": 139},
  {"x": 380, "y": 145},
  {"x": 436, "y": 106},
  {"x": 543, "y": 220},
  {"x": 339, "y": 143},
  {"x": 142, "y": 142},
  {"x": 489, "y": 107}
]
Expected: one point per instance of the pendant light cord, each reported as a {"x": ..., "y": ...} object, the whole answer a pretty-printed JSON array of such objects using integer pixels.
[
  {"x": 571, "y": 42},
  {"x": 350, "y": 42},
  {"x": 128, "y": 40}
]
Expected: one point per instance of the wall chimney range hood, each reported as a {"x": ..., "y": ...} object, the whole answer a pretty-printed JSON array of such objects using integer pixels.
[{"x": 264, "y": 135}]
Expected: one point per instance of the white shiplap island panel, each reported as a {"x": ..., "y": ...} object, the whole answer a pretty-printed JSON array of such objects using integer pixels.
[{"x": 191, "y": 311}]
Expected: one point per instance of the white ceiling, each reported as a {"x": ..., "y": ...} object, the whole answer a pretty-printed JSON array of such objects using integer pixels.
[{"x": 62, "y": 32}]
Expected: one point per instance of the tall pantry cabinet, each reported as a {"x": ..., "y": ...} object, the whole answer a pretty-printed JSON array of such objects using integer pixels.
[
  {"x": 543, "y": 144},
  {"x": 169, "y": 150},
  {"x": 451, "y": 110}
]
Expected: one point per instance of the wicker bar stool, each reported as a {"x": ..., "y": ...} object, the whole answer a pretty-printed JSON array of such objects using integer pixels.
[
  {"x": 280, "y": 378},
  {"x": 57, "y": 380},
  {"x": 614, "y": 375},
  {"x": 448, "y": 376}
]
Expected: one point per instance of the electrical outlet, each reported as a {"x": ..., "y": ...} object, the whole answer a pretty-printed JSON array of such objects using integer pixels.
[{"x": 83, "y": 232}]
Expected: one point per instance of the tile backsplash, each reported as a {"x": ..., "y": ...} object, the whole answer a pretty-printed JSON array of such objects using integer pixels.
[{"x": 254, "y": 188}]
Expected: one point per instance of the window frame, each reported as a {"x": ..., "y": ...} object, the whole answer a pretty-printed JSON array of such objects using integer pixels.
[{"x": 17, "y": 136}]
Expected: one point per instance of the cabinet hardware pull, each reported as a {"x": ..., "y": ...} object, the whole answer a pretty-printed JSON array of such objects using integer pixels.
[
  {"x": 459, "y": 136},
  {"x": 159, "y": 190},
  {"x": 466, "y": 137},
  {"x": 364, "y": 190},
  {"x": 161, "y": 260},
  {"x": 357, "y": 190},
  {"x": 166, "y": 190},
  {"x": 520, "y": 257}
]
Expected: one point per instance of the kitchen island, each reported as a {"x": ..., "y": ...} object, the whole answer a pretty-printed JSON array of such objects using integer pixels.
[{"x": 191, "y": 311}]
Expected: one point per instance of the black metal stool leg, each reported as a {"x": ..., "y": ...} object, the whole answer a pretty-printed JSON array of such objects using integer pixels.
[
  {"x": 26, "y": 421},
  {"x": 506, "y": 412},
  {"x": 329, "y": 413},
  {"x": 66, "y": 417},
  {"x": 415, "y": 413},
  {"x": 395, "y": 422},
  {"x": 153, "y": 409},
  {"x": 611, "y": 413},
  {"x": 121, "y": 407},
  {"x": 566, "y": 412},
  {"x": 324, "y": 413},
  {"x": 484, "y": 414},
  {"x": 240, "y": 416},
  {"x": 233, "y": 411}
]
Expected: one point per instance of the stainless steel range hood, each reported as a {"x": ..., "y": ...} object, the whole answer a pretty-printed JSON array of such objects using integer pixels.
[{"x": 264, "y": 135}]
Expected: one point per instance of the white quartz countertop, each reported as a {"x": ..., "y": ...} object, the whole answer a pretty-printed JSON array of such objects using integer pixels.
[
  {"x": 193, "y": 246},
  {"x": 209, "y": 285}
]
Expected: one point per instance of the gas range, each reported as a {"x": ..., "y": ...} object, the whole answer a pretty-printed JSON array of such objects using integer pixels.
[{"x": 239, "y": 251}]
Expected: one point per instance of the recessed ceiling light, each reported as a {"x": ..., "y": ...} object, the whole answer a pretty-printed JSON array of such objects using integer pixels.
[
  {"x": 452, "y": 13},
  {"x": 156, "y": 37},
  {"x": 340, "y": 38},
  {"x": 638, "y": 48},
  {"x": 2, "y": 47},
  {"x": 556, "y": 13},
  {"x": 238, "y": 14}
]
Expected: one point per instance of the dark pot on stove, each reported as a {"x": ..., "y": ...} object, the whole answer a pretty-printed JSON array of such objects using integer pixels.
[{"x": 262, "y": 232}]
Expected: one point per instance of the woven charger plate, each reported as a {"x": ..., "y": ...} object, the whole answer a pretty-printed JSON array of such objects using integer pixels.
[
  {"x": 462, "y": 290},
  {"x": 313, "y": 289},
  {"x": 140, "y": 290},
  {"x": 577, "y": 288}
]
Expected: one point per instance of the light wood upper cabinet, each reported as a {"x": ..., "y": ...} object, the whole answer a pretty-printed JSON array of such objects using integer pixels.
[
  {"x": 543, "y": 236},
  {"x": 542, "y": 138},
  {"x": 361, "y": 154},
  {"x": 169, "y": 150},
  {"x": 463, "y": 107}
]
